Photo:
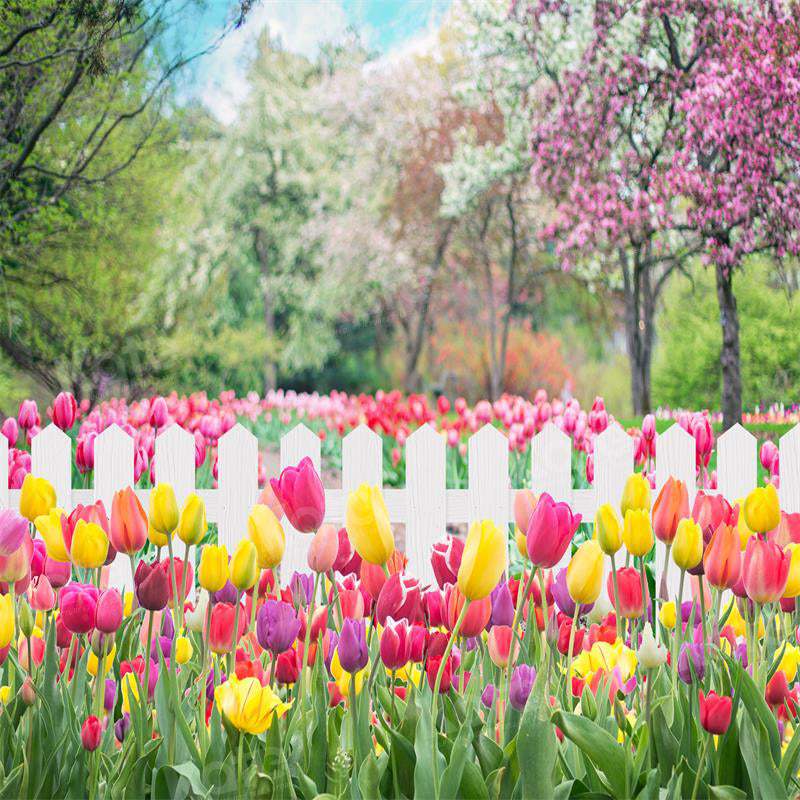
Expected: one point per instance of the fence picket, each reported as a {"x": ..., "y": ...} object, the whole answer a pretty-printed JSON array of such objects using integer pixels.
[
  {"x": 790, "y": 470},
  {"x": 551, "y": 463},
  {"x": 113, "y": 470},
  {"x": 296, "y": 445},
  {"x": 487, "y": 468},
  {"x": 362, "y": 459},
  {"x": 736, "y": 463},
  {"x": 237, "y": 467},
  {"x": 51, "y": 458},
  {"x": 613, "y": 464},
  {"x": 426, "y": 499},
  {"x": 675, "y": 456},
  {"x": 3, "y": 472},
  {"x": 174, "y": 464}
]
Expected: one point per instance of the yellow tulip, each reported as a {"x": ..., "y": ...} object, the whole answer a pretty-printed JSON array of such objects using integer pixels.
[
  {"x": 762, "y": 511},
  {"x": 585, "y": 573},
  {"x": 248, "y": 706},
  {"x": 130, "y": 691},
  {"x": 367, "y": 523},
  {"x": 164, "y": 510},
  {"x": 736, "y": 620},
  {"x": 6, "y": 620},
  {"x": 127, "y": 604},
  {"x": 606, "y": 657},
  {"x": 91, "y": 664},
  {"x": 266, "y": 532},
  {"x": 51, "y": 527},
  {"x": 687, "y": 547},
  {"x": 607, "y": 529},
  {"x": 636, "y": 494},
  {"x": 793, "y": 583},
  {"x": 183, "y": 649},
  {"x": 521, "y": 541},
  {"x": 788, "y": 662},
  {"x": 637, "y": 532},
  {"x": 5, "y": 694},
  {"x": 667, "y": 615},
  {"x": 156, "y": 538},
  {"x": 212, "y": 574},
  {"x": 244, "y": 565},
  {"x": 36, "y": 498},
  {"x": 192, "y": 526},
  {"x": 89, "y": 545},
  {"x": 343, "y": 678},
  {"x": 483, "y": 560}
]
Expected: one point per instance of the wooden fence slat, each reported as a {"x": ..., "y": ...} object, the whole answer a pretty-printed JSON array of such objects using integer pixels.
[
  {"x": 613, "y": 464},
  {"x": 551, "y": 463},
  {"x": 113, "y": 470},
  {"x": 790, "y": 470},
  {"x": 298, "y": 443},
  {"x": 489, "y": 483},
  {"x": 237, "y": 467},
  {"x": 51, "y": 458},
  {"x": 426, "y": 492},
  {"x": 736, "y": 463},
  {"x": 362, "y": 459}
]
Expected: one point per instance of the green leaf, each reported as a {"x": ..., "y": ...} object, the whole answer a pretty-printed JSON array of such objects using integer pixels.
[
  {"x": 788, "y": 766},
  {"x": 370, "y": 773},
  {"x": 665, "y": 745},
  {"x": 472, "y": 785},
  {"x": 494, "y": 783},
  {"x": 767, "y": 782},
  {"x": 726, "y": 793},
  {"x": 179, "y": 781},
  {"x": 424, "y": 751},
  {"x": 651, "y": 786},
  {"x": 490, "y": 754},
  {"x": 601, "y": 747},
  {"x": 402, "y": 751},
  {"x": 537, "y": 746},
  {"x": 462, "y": 747}
]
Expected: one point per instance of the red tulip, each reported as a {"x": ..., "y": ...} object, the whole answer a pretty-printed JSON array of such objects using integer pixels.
[
  {"x": 77, "y": 604},
  {"x": 777, "y": 689},
  {"x": 446, "y": 559},
  {"x": 715, "y": 712},
  {"x": 477, "y": 615},
  {"x": 347, "y": 562},
  {"x": 564, "y": 629},
  {"x": 287, "y": 667},
  {"x": 91, "y": 732},
  {"x": 220, "y": 635},
  {"x": 151, "y": 585},
  {"x": 373, "y": 577},
  {"x": 400, "y": 598},
  {"x": 418, "y": 643},
  {"x": 765, "y": 570},
  {"x": 434, "y": 606},
  {"x": 395, "y": 644},
  {"x": 182, "y": 578},
  {"x": 550, "y": 531},
  {"x": 630, "y": 592},
  {"x": 671, "y": 506},
  {"x": 432, "y": 669}
]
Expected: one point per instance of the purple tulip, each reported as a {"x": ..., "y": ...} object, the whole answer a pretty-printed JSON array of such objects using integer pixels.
[
  {"x": 562, "y": 598},
  {"x": 13, "y": 528},
  {"x": 227, "y": 594},
  {"x": 502, "y": 606},
  {"x": 687, "y": 613},
  {"x": 302, "y": 586},
  {"x": 210, "y": 683},
  {"x": 334, "y": 642},
  {"x": 689, "y": 673},
  {"x": 160, "y": 643},
  {"x": 167, "y": 626},
  {"x": 741, "y": 654},
  {"x": 519, "y": 690},
  {"x": 110, "y": 694},
  {"x": 122, "y": 726},
  {"x": 352, "y": 647},
  {"x": 487, "y": 698},
  {"x": 277, "y": 626}
]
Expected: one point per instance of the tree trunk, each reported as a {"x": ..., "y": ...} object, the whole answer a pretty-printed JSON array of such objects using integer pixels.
[
  {"x": 639, "y": 311},
  {"x": 729, "y": 355}
]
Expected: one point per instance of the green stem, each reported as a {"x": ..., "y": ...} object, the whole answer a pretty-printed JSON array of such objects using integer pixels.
[
  {"x": 340, "y": 620},
  {"x": 309, "y": 622},
  {"x": 146, "y": 686},
  {"x": 522, "y": 594},
  {"x": 235, "y": 635},
  {"x": 568, "y": 682},
  {"x": 678, "y": 634},
  {"x": 616, "y": 596},
  {"x": 700, "y": 766},
  {"x": 239, "y": 775},
  {"x": 205, "y": 653},
  {"x": 702, "y": 594}
]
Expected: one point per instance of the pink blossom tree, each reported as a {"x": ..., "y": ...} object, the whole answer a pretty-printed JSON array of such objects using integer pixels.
[{"x": 670, "y": 127}]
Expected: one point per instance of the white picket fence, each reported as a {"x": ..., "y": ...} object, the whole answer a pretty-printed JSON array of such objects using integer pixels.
[{"x": 425, "y": 505}]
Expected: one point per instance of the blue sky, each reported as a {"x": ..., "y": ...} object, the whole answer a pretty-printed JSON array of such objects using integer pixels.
[{"x": 385, "y": 25}]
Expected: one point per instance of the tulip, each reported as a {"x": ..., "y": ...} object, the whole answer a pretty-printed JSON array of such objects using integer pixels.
[
  {"x": 183, "y": 650},
  {"x": 16, "y": 568},
  {"x": 54, "y": 529},
  {"x": 722, "y": 560},
  {"x": 348, "y": 562},
  {"x": 762, "y": 509},
  {"x": 164, "y": 517},
  {"x": 128, "y": 525},
  {"x": 41, "y": 594},
  {"x": 765, "y": 571},
  {"x": 637, "y": 532},
  {"x": 108, "y": 611},
  {"x": 709, "y": 510},
  {"x": 367, "y": 523},
  {"x": 221, "y": 632},
  {"x": 562, "y": 597},
  {"x": 395, "y": 644},
  {"x": 400, "y": 598},
  {"x": 10, "y": 430},
  {"x": 525, "y": 502},
  {"x": 793, "y": 581},
  {"x": 323, "y": 549},
  {"x": 522, "y": 680},
  {"x": 487, "y": 697},
  {"x": 566, "y": 638},
  {"x": 715, "y": 712},
  {"x": 247, "y": 705},
  {"x": 502, "y": 605},
  {"x": 91, "y": 732},
  {"x": 352, "y": 647},
  {"x": 28, "y": 415},
  {"x": 57, "y": 572},
  {"x": 244, "y": 565},
  {"x": 151, "y": 584},
  {"x": 689, "y": 672},
  {"x": 6, "y": 620},
  {"x": 436, "y": 669},
  {"x": 36, "y": 498},
  {"x": 446, "y": 560},
  {"x": 551, "y": 528},
  {"x": 499, "y": 645},
  {"x": 277, "y": 626},
  {"x": 195, "y": 617},
  {"x": 13, "y": 528},
  {"x": 671, "y": 506},
  {"x": 192, "y": 526},
  {"x": 788, "y": 529},
  {"x": 635, "y": 494},
  {"x": 183, "y": 577},
  {"x": 266, "y": 533},
  {"x": 287, "y": 667},
  {"x": 483, "y": 560},
  {"x": 476, "y": 618},
  {"x": 521, "y": 541},
  {"x": 651, "y": 654},
  {"x": 585, "y": 573},
  {"x": 122, "y": 726},
  {"x": 301, "y": 495},
  {"x": 212, "y": 574},
  {"x": 89, "y": 545},
  {"x": 373, "y": 576},
  {"x": 65, "y": 409},
  {"x": 607, "y": 529},
  {"x": 629, "y": 584},
  {"x": 777, "y": 692},
  {"x": 158, "y": 412},
  {"x": 667, "y": 615},
  {"x": 434, "y": 607},
  {"x": 687, "y": 548}
]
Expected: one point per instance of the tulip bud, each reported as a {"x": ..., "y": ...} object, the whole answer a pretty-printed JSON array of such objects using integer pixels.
[
  {"x": 122, "y": 726},
  {"x": 266, "y": 532},
  {"x": 65, "y": 409},
  {"x": 687, "y": 547},
  {"x": 192, "y": 526},
  {"x": 164, "y": 516},
  {"x": 352, "y": 647},
  {"x": 585, "y": 573},
  {"x": 651, "y": 654},
  {"x": 28, "y": 691},
  {"x": 91, "y": 733},
  {"x": 762, "y": 509},
  {"x": 36, "y": 498},
  {"x": 323, "y": 549},
  {"x": 522, "y": 680},
  {"x": 637, "y": 532},
  {"x": 368, "y": 526},
  {"x": 301, "y": 495},
  {"x": 244, "y": 565},
  {"x": 588, "y": 704},
  {"x": 667, "y": 615},
  {"x": 635, "y": 494},
  {"x": 483, "y": 560},
  {"x": 608, "y": 530},
  {"x": 212, "y": 574},
  {"x": 25, "y": 618},
  {"x": 183, "y": 649}
]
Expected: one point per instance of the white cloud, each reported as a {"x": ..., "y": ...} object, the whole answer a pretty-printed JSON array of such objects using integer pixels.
[{"x": 302, "y": 25}]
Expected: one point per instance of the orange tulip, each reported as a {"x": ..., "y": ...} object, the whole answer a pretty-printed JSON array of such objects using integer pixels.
[
  {"x": 671, "y": 506},
  {"x": 128, "y": 528},
  {"x": 722, "y": 559}
]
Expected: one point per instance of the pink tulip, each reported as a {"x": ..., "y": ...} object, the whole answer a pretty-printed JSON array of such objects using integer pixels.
[
  {"x": 400, "y": 598},
  {"x": 28, "y": 415},
  {"x": 65, "y": 410},
  {"x": 550, "y": 531},
  {"x": 158, "y": 412},
  {"x": 301, "y": 495},
  {"x": 15, "y": 566},
  {"x": 395, "y": 644},
  {"x": 77, "y": 603},
  {"x": 41, "y": 594},
  {"x": 765, "y": 570},
  {"x": 10, "y": 430},
  {"x": 446, "y": 559},
  {"x": 13, "y": 528},
  {"x": 323, "y": 549},
  {"x": 108, "y": 611}
]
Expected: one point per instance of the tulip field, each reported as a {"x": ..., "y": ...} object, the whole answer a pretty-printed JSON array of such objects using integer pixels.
[{"x": 647, "y": 649}]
